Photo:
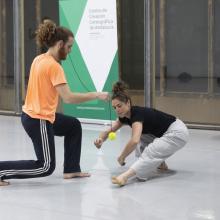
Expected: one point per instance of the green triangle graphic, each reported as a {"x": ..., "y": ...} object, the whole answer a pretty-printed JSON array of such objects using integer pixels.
[
  {"x": 113, "y": 74},
  {"x": 77, "y": 72},
  {"x": 73, "y": 10}
]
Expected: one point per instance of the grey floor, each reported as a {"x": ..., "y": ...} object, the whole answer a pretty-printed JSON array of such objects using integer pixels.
[{"x": 190, "y": 190}]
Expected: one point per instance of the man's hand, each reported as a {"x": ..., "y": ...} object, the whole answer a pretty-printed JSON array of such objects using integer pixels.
[{"x": 103, "y": 96}]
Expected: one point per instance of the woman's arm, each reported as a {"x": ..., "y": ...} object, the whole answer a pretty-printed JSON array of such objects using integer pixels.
[{"x": 137, "y": 128}]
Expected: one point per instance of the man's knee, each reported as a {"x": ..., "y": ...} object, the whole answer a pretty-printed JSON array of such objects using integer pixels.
[
  {"x": 76, "y": 127},
  {"x": 77, "y": 124},
  {"x": 49, "y": 168}
]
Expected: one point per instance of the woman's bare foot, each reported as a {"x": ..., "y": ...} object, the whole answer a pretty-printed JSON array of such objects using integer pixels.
[
  {"x": 75, "y": 175},
  {"x": 122, "y": 179},
  {"x": 119, "y": 180},
  {"x": 4, "y": 183},
  {"x": 163, "y": 166}
]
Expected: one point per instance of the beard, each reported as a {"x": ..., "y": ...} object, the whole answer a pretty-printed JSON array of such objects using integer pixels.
[{"x": 62, "y": 53}]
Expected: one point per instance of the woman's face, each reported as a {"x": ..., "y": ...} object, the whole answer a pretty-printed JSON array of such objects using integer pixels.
[{"x": 122, "y": 109}]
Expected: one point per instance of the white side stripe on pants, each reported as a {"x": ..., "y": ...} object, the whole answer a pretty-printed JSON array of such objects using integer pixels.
[{"x": 46, "y": 153}]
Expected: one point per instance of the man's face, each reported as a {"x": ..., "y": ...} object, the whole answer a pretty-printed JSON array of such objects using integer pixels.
[{"x": 65, "y": 49}]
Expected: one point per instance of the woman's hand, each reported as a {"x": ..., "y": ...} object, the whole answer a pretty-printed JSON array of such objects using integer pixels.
[
  {"x": 98, "y": 142},
  {"x": 121, "y": 160}
]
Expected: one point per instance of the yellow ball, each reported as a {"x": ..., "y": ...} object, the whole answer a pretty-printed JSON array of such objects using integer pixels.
[{"x": 112, "y": 136}]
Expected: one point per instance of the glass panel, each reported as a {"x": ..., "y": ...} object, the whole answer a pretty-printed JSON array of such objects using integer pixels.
[
  {"x": 182, "y": 45},
  {"x": 7, "y": 88},
  {"x": 131, "y": 38},
  {"x": 30, "y": 50},
  {"x": 217, "y": 47},
  {"x": 187, "y": 59},
  {"x": 36, "y": 11}
]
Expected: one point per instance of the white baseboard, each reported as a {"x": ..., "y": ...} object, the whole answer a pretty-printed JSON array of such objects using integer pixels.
[{"x": 95, "y": 121}]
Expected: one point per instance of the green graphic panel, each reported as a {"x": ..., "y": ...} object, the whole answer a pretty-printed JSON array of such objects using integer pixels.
[
  {"x": 101, "y": 110},
  {"x": 77, "y": 73}
]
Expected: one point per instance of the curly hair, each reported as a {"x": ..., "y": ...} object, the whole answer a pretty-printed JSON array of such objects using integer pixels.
[
  {"x": 48, "y": 33},
  {"x": 120, "y": 92}
]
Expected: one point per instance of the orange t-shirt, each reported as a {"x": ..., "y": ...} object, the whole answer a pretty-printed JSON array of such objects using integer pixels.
[{"x": 42, "y": 98}]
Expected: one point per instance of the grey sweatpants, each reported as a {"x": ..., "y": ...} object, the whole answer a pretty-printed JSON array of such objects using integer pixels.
[{"x": 151, "y": 151}]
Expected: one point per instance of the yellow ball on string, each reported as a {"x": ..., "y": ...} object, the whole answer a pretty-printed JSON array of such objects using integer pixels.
[{"x": 112, "y": 136}]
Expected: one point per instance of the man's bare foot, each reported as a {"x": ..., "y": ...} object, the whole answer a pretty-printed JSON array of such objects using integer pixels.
[
  {"x": 75, "y": 175},
  {"x": 119, "y": 180},
  {"x": 4, "y": 183},
  {"x": 163, "y": 166}
]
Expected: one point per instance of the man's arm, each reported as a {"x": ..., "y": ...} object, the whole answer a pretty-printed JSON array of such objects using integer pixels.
[{"x": 70, "y": 97}]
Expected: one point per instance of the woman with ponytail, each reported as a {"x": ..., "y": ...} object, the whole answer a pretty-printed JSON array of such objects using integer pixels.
[
  {"x": 155, "y": 136},
  {"x": 39, "y": 118}
]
